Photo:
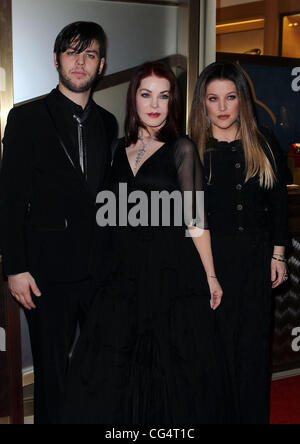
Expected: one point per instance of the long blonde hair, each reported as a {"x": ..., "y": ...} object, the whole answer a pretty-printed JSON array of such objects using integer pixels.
[{"x": 257, "y": 161}]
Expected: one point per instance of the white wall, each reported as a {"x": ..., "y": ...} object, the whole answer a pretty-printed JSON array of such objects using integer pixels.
[
  {"x": 114, "y": 100},
  {"x": 136, "y": 33}
]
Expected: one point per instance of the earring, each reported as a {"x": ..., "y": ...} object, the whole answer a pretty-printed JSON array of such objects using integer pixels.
[{"x": 208, "y": 123}]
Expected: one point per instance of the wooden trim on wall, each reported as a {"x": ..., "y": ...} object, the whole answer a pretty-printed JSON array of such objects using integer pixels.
[
  {"x": 13, "y": 357},
  {"x": 28, "y": 378},
  {"x": 253, "y": 10},
  {"x": 272, "y": 25},
  {"x": 4, "y": 392},
  {"x": 241, "y": 12},
  {"x": 6, "y": 63},
  {"x": 248, "y": 25},
  {"x": 288, "y": 6},
  {"x": 14, "y": 349},
  {"x": 258, "y": 60},
  {"x": 10, "y": 309},
  {"x": 146, "y": 2}
]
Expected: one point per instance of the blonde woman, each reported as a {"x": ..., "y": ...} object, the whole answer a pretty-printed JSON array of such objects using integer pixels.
[{"x": 247, "y": 212}]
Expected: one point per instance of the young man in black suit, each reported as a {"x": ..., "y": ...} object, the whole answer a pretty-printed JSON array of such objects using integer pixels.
[{"x": 57, "y": 153}]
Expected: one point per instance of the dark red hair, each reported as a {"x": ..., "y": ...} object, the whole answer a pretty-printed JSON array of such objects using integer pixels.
[{"x": 172, "y": 128}]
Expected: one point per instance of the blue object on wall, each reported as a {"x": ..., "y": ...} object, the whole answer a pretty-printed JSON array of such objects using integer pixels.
[{"x": 278, "y": 88}]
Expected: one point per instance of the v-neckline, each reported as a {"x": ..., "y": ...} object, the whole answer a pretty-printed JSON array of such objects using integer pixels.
[{"x": 146, "y": 161}]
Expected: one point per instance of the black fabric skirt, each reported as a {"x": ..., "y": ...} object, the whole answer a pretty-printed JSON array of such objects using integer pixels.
[
  {"x": 243, "y": 265},
  {"x": 150, "y": 352}
]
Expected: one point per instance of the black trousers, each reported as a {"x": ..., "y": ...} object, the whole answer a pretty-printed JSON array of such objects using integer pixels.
[
  {"x": 243, "y": 266},
  {"x": 52, "y": 327}
]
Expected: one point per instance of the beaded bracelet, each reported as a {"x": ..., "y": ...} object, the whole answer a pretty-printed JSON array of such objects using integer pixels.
[{"x": 279, "y": 260}]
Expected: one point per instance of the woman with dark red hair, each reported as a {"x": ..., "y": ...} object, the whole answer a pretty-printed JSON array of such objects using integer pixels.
[{"x": 148, "y": 354}]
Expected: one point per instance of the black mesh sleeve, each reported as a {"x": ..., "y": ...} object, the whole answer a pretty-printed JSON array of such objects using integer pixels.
[{"x": 191, "y": 182}]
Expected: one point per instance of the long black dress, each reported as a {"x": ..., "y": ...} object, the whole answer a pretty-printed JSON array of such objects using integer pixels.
[
  {"x": 246, "y": 222},
  {"x": 148, "y": 354}
]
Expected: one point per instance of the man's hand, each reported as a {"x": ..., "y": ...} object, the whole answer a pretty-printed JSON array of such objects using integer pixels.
[{"x": 20, "y": 286}]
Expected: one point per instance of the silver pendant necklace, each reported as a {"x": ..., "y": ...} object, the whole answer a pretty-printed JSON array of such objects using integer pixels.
[{"x": 142, "y": 151}]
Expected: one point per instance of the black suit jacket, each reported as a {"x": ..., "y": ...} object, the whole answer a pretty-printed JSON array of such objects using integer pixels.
[{"x": 47, "y": 211}]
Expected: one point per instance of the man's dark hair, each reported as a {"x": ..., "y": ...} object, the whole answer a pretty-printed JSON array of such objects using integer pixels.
[{"x": 80, "y": 35}]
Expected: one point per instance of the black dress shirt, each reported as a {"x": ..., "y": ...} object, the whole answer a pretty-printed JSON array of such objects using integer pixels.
[
  {"x": 234, "y": 206},
  {"x": 68, "y": 131}
]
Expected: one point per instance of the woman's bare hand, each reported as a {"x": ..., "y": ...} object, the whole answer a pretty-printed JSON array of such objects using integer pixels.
[{"x": 216, "y": 292}]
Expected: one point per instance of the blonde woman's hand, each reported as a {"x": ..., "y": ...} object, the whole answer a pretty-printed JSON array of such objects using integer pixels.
[
  {"x": 215, "y": 291},
  {"x": 278, "y": 273}
]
